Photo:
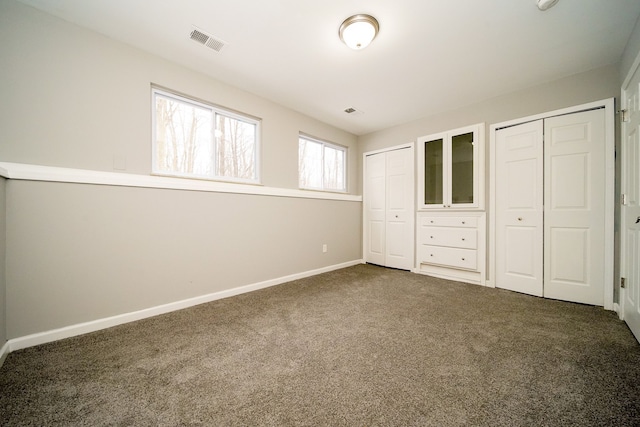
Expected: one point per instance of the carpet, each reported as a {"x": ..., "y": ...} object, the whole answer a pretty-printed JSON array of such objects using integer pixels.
[{"x": 360, "y": 346}]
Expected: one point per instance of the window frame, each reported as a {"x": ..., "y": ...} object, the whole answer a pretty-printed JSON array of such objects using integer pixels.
[
  {"x": 215, "y": 111},
  {"x": 345, "y": 151}
]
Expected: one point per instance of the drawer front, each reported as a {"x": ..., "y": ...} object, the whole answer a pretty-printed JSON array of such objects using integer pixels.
[
  {"x": 452, "y": 257},
  {"x": 449, "y": 221},
  {"x": 466, "y": 238}
]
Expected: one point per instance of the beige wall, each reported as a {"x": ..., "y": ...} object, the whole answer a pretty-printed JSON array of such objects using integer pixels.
[
  {"x": 80, "y": 252},
  {"x": 78, "y": 99},
  {"x": 631, "y": 52},
  {"x": 578, "y": 89},
  {"x": 77, "y": 253}
]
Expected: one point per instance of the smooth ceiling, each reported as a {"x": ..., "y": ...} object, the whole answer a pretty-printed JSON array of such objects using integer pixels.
[{"x": 430, "y": 56}]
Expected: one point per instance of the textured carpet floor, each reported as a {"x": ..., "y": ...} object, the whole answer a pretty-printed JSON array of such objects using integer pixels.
[{"x": 361, "y": 346}]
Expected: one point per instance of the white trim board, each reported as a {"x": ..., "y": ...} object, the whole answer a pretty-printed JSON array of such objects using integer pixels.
[
  {"x": 609, "y": 106},
  {"x": 96, "y": 325},
  {"x": 4, "y": 352},
  {"x": 27, "y": 172}
]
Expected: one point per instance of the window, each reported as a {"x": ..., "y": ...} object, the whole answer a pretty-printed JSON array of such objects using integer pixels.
[
  {"x": 196, "y": 140},
  {"x": 321, "y": 165}
]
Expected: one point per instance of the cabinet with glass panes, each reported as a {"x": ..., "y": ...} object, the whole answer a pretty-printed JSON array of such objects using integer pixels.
[{"x": 451, "y": 169}]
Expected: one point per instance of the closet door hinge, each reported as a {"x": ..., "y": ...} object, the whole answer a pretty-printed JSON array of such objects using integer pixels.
[
  {"x": 622, "y": 282},
  {"x": 624, "y": 115},
  {"x": 623, "y": 199}
]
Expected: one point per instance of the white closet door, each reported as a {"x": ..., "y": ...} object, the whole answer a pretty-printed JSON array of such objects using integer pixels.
[
  {"x": 630, "y": 295},
  {"x": 389, "y": 209},
  {"x": 375, "y": 209},
  {"x": 399, "y": 204},
  {"x": 574, "y": 221},
  {"x": 519, "y": 210}
]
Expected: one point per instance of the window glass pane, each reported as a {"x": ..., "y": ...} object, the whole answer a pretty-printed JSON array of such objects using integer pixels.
[
  {"x": 462, "y": 168},
  {"x": 310, "y": 164},
  {"x": 236, "y": 148},
  {"x": 433, "y": 172},
  {"x": 334, "y": 168},
  {"x": 184, "y": 142}
]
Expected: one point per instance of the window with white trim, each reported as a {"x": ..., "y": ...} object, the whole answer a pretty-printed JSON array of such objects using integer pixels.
[
  {"x": 321, "y": 165},
  {"x": 193, "y": 139}
]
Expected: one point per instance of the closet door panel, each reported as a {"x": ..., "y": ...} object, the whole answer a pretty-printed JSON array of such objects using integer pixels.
[
  {"x": 399, "y": 205},
  {"x": 375, "y": 209},
  {"x": 575, "y": 207},
  {"x": 519, "y": 213}
]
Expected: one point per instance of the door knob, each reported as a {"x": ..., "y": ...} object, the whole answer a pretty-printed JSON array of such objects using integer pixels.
[{"x": 638, "y": 220}]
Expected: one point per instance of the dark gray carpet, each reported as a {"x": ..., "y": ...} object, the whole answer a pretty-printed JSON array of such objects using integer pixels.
[{"x": 361, "y": 346}]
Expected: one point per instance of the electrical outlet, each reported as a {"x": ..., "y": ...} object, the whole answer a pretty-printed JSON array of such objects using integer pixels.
[{"x": 324, "y": 248}]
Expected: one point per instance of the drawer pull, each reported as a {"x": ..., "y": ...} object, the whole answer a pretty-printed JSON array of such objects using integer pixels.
[
  {"x": 430, "y": 254},
  {"x": 431, "y": 237},
  {"x": 463, "y": 259},
  {"x": 463, "y": 239},
  {"x": 463, "y": 222},
  {"x": 431, "y": 222},
  {"x": 519, "y": 218}
]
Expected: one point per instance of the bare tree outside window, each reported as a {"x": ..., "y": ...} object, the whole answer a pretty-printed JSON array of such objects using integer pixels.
[
  {"x": 321, "y": 166},
  {"x": 236, "y": 147},
  {"x": 193, "y": 139}
]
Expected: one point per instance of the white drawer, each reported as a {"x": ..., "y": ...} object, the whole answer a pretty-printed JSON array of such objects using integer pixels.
[
  {"x": 466, "y": 238},
  {"x": 452, "y": 257},
  {"x": 449, "y": 221}
]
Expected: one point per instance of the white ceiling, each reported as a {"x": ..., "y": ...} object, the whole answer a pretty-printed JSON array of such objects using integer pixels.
[{"x": 430, "y": 55}]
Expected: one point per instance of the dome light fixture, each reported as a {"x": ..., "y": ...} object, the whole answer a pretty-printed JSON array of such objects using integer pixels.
[
  {"x": 546, "y": 4},
  {"x": 358, "y": 31}
]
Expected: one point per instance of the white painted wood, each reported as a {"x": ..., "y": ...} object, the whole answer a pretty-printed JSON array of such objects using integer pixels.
[
  {"x": 388, "y": 200},
  {"x": 374, "y": 200},
  {"x": 4, "y": 352},
  {"x": 452, "y": 246},
  {"x": 574, "y": 217},
  {"x": 519, "y": 209},
  {"x": 29, "y": 172},
  {"x": 449, "y": 221},
  {"x": 108, "y": 322},
  {"x": 400, "y": 209},
  {"x": 630, "y": 210},
  {"x": 609, "y": 197},
  {"x": 478, "y": 173},
  {"x": 451, "y": 257},
  {"x": 464, "y": 238}
]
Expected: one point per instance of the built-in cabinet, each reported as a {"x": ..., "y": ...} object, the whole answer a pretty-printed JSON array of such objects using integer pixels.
[
  {"x": 451, "y": 223},
  {"x": 450, "y": 169}
]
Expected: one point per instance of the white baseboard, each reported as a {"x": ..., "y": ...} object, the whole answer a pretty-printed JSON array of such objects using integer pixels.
[
  {"x": 618, "y": 309},
  {"x": 96, "y": 325},
  {"x": 4, "y": 352}
]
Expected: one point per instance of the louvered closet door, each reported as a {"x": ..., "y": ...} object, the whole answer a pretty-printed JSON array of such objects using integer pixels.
[
  {"x": 574, "y": 221},
  {"x": 519, "y": 211}
]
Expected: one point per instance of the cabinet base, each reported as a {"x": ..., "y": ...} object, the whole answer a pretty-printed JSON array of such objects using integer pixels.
[{"x": 473, "y": 277}]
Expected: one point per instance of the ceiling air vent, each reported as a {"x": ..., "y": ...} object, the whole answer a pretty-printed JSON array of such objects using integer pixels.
[
  {"x": 352, "y": 111},
  {"x": 197, "y": 35}
]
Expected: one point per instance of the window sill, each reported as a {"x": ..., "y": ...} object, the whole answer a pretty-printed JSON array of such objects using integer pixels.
[{"x": 27, "y": 172}]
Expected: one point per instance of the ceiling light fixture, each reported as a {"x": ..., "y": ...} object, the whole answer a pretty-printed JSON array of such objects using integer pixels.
[
  {"x": 546, "y": 4},
  {"x": 358, "y": 31}
]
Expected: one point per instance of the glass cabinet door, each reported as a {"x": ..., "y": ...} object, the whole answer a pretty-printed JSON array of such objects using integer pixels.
[
  {"x": 433, "y": 172},
  {"x": 451, "y": 169},
  {"x": 462, "y": 168}
]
